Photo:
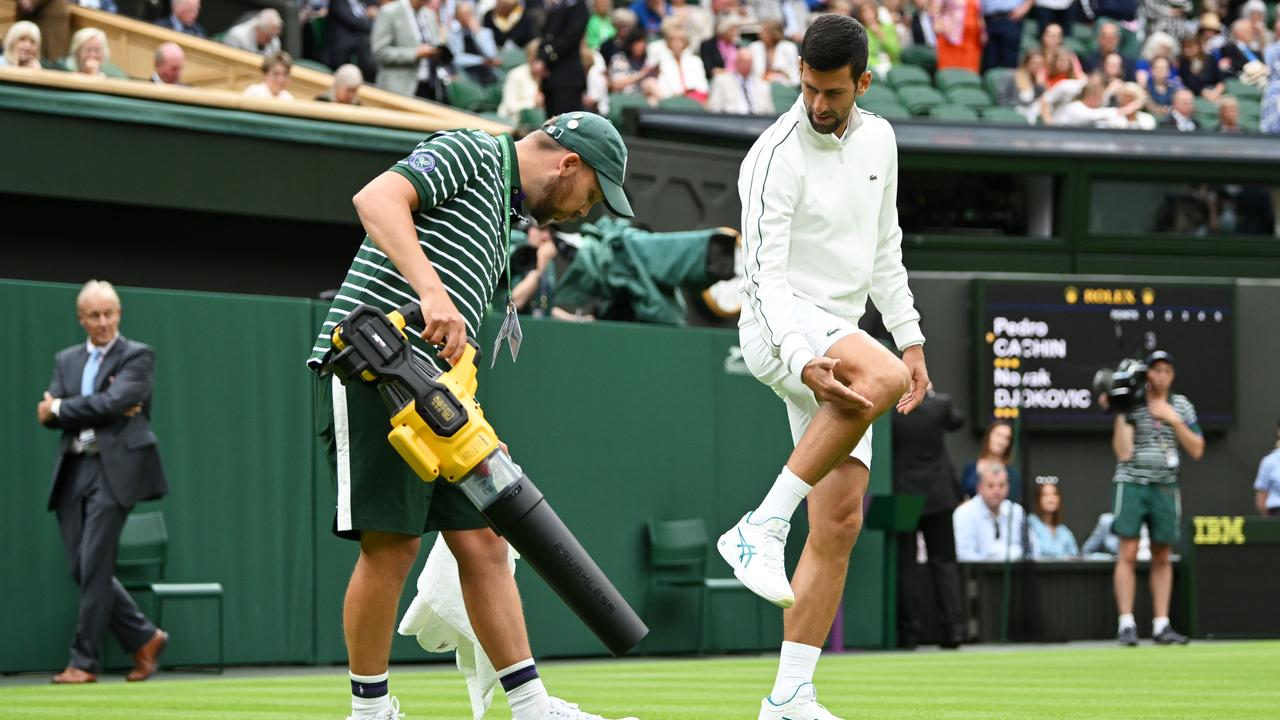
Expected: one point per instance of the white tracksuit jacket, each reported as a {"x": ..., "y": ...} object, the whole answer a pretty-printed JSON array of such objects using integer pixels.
[{"x": 820, "y": 225}]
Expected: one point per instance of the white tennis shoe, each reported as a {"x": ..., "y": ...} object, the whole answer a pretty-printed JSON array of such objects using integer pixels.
[
  {"x": 755, "y": 552},
  {"x": 389, "y": 713},
  {"x": 561, "y": 710},
  {"x": 803, "y": 705}
]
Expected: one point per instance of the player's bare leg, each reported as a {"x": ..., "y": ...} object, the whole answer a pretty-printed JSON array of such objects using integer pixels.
[
  {"x": 373, "y": 596},
  {"x": 1125, "y": 582},
  {"x": 490, "y": 594},
  {"x": 1161, "y": 589}
]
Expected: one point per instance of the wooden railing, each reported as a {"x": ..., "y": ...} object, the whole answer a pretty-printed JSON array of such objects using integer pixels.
[{"x": 218, "y": 73}]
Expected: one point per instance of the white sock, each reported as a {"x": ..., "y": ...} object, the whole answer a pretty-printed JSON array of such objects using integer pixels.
[
  {"x": 369, "y": 695},
  {"x": 795, "y": 668},
  {"x": 783, "y": 498},
  {"x": 1158, "y": 625},
  {"x": 525, "y": 692},
  {"x": 1127, "y": 621}
]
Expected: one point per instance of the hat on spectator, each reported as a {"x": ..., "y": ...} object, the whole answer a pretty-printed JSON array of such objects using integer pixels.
[
  {"x": 1210, "y": 21},
  {"x": 599, "y": 145},
  {"x": 1255, "y": 73}
]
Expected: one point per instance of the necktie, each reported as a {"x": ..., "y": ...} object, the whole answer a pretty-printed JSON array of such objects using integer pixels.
[
  {"x": 746, "y": 95},
  {"x": 90, "y": 376}
]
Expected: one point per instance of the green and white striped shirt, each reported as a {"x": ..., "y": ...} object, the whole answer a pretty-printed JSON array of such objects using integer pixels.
[
  {"x": 1154, "y": 444},
  {"x": 461, "y": 216}
]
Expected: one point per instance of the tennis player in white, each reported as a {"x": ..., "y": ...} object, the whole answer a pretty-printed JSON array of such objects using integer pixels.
[{"x": 820, "y": 223}]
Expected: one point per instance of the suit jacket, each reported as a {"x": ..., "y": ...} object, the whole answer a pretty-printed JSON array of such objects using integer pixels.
[
  {"x": 126, "y": 445},
  {"x": 346, "y": 31},
  {"x": 727, "y": 96},
  {"x": 394, "y": 44},
  {"x": 171, "y": 22},
  {"x": 709, "y": 51},
  {"x": 245, "y": 37},
  {"x": 920, "y": 462},
  {"x": 562, "y": 34}
]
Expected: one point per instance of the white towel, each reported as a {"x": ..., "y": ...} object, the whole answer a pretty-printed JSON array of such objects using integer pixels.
[{"x": 438, "y": 618}]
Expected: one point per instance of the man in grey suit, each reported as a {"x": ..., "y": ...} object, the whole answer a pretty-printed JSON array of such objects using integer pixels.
[
  {"x": 406, "y": 46},
  {"x": 100, "y": 398}
]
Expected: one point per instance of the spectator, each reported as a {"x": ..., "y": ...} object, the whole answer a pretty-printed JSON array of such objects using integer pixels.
[
  {"x": 1255, "y": 11},
  {"x": 697, "y": 21},
  {"x": 559, "y": 63},
  {"x": 475, "y": 54},
  {"x": 184, "y": 18},
  {"x": 52, "y": 17},
  {"x": 718, "y": 53},
  {"x": 630, "y": 71},
  {"x": 275, "y": 78},
  {"x": 1162, "y": 87},
  {"x": 596, "y": 98},
  {"x": 773, "y": 57},
  {"x": 997, "y": 449},
  {"x": 600, "y": 27},
  {"x": 406, "y": 44},
  {"x": 1088, "y": 110},
  {"x": 1270, "y": 122},
  {"x": 347, "y": 34},
  {"x": 520, "y": 90},
  {"x": 1108, "y": 43},
  {"x": 624, "y": 22},
  {"x": 89, "y": 52},
  {"x": 1267, "y": 485},
  {"x": 259, "y": 34},
  {"x": 1237, "y": 53},
  {"x": 1051, "y": 45},
  {"x": 1062, "y": 65},
  {"x": 1001, "y": 23},
  {"x": 740, "y": 91},
  {"x": 1158, "y": 45},
  {"x": 103, "y": 5},
  {"x": 1229, "y": 115},
  {"x": 534, "y": 293},
  {"x": 1054, "y": 12},
  {"x": 169, "y": 62},
  {"x": 734, "y": 9},
  {"x": 883, "y": 50},
  {"x": 1050, "y": 539},
  {"x": 1026, "y": 86},
  {"x": 22, "y": 46},
  {"x": 650, "y": 13},
  {"x": 1209, "y": 32},
  {"x": 1133, "y": 98},
  {"x": 1167, "y": 16},
  {"x": 345, "y": 90},
  {"x": 989, "y": 527},
  {"x": 796, "y": 17},
  {"x": 510, "y": 23},
  {"x": 921, "y": 468},
  {"x": 680, "y": 71},
  {"x": 1199, "y": 74},
  {"x": 1112, "y": 74},
  {"x": 960, "y": 29}
]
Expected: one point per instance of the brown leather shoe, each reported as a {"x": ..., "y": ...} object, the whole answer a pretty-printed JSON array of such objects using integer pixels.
[
  {"x": 145, "y": 659},
  {"x": 74, "y": 676}
]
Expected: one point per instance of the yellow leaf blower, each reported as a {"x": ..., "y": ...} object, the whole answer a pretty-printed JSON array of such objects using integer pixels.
[{"x": 439, "y": 429}]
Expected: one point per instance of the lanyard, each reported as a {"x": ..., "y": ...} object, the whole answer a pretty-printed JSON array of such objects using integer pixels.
[{"x": 510, "y": 330}]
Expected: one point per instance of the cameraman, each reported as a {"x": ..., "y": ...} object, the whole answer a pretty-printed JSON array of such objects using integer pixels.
[{"x": 1148, "y": 441}]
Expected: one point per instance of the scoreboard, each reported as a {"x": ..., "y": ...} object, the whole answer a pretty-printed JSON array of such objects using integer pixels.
[{"x": 1038, "y": 344}]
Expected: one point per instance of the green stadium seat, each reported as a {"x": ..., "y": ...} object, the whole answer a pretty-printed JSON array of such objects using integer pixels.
[
  {"x": 995, "y": 78},
  {"x": 956, "y": 77},
  {"x": 469, "y": 95},
  {"x": 619, "y": 102},
  {"x": 531, "y": 117},
  {"x": 1208, "y": 122},
  {"x": 681, "y": 102},
  {"x": 919, "y": 99},
  {"x": 1002, "y": 115},
  {"x": 921, "y": 56},
  {"x": 784, "y": 96},
  {"x": 878, "y": 93},
  {"x": 887, "y": 110},
  {"x": 512, "y": 58},
  {"x": 1241, "y": 91},
  {"x": 1205, "y": 106},
  {"x": 969, "y": 96},
  {"x": 953, "y": 112},
  {"x": 493, "y": 94},
  {"x": 1250, "y": 123},
  {"x": 901, "y": 76}
]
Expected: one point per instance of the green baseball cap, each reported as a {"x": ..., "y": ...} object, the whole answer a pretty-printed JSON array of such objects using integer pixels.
[{"x": 599, "y": 145}]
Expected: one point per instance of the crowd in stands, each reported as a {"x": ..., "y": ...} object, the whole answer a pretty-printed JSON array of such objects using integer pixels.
[{"x": 1138, "y": 64}]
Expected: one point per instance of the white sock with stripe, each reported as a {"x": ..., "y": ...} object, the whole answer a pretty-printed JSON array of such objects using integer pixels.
[
  {"x": 783, "y": 498},
  {"x": 369, "y": 695},
  {"x": 525, "y": 692}
]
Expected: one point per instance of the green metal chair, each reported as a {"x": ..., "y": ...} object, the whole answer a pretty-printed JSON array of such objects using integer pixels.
[
  {"x": 903, "y": 76},
  {"x": 784, "y": 96},
  {"x": 681, "y": 102},
  {"x": 140, "y": 561},
  {"x": 921, "y": 56},
  {"x": 1002, "y": 115},
  {"x": 950, "y": 78},
  {"x": 1208, "y": 121},
  {"x": 878, "y": 93},
  {"x": 512, "y": 58},
  {"x": 1243, "y": 92},
  {"x": 469, "y": 95},
  {"x": 969, "y": 96},
  {"x": 678, "y": 559},
  {"x": 995, "y": 79},
  {"x": 959, "y": 113},
  {"x": 1205, "y": 106},
  {"x": 532, "y": 117},
  {"x": 888, "y": 110},
  {"x": 919, "y": 99},
  {"x": 619, "y": 102}
]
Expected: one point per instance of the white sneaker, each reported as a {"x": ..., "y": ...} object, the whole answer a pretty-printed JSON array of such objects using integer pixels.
[
  {"x": 755, "y": 552},
  {"x": 802, "y": 706},
  {"x": 391, "y": 713},
  {"x": 561, "y": 710}
]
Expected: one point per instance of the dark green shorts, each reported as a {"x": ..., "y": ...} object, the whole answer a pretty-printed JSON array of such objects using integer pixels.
[
  {"x": 1159, "y": 506},
  {"x": 376, "y": 490}
]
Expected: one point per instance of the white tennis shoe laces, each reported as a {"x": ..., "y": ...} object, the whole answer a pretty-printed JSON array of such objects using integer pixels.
[{"x": 755, "y": 552}]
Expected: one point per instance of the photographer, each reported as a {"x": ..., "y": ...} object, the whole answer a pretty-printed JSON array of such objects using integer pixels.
[{"x": 1149, "y": 439}]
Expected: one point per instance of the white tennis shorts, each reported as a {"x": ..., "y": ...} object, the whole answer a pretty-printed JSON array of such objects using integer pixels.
[{"x": 822, "y": 330}]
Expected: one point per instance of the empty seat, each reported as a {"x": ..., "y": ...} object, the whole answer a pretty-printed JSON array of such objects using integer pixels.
[
  {"x": 957, "y": 77},
  {"x": 953, "y": 112},
  {"x": 969, "y": 96},
  {"x": 901, "y": 76}
]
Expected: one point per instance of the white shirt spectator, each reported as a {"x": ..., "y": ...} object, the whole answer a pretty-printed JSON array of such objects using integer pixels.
[
  {"x": 982, "y": 536},
  {"x": 1077, "y": 114},
  {"x": 519, "y": 92},
  {"x": 734, "y": 93},
  {"x": 689, "y": 75},
  {"x": 260, "y": 90},
  {"x": 786, "y": 60}
]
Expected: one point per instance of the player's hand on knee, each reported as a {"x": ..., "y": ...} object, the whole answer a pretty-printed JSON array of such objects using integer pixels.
[
  {"x": 820, "y": 376},
  {"x": 913, "y": 358},
  {"x": 443, "y": 325}
]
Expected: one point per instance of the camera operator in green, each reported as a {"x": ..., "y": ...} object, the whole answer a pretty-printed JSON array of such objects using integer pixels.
[
  {"x": 1150, "y": 435},
  {"x": 438, "y": 225}
]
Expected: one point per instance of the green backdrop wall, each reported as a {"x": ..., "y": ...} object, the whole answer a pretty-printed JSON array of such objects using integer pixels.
[{"x": 615, "y": 423}]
